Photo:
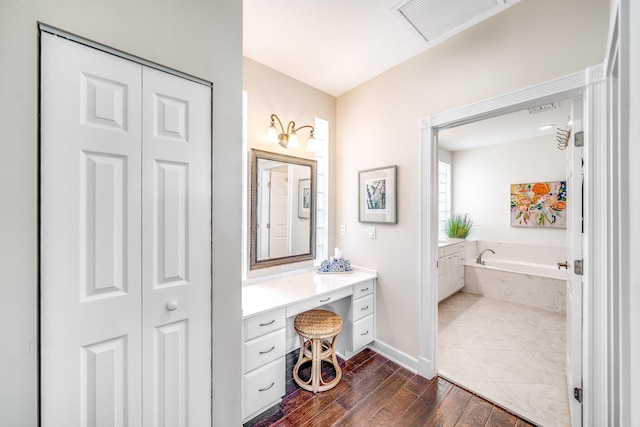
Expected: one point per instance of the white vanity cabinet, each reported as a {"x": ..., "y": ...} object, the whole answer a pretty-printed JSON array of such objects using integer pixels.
[
  {"x": 269, "y": 307},
  {"x": 450, "y": 269},
  {"x": 263, "y": 360},
  {"x": 362, "y": 312}
]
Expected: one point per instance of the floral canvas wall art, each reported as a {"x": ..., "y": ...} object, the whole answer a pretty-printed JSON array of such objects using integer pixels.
[{"x": 539, "y": 204}]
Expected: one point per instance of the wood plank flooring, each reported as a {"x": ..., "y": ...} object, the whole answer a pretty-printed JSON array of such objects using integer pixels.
[{"x": 375, "y": 391}]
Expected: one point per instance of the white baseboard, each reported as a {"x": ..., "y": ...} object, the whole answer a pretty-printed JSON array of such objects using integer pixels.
[{"x": 395, "y": 355}]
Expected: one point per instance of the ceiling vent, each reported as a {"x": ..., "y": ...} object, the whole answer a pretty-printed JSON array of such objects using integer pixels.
[
  {"x": 433, "y": 19},
  {"x": 544, "y": 107}
]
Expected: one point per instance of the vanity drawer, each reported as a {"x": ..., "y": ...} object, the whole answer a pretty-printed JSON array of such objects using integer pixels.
[
  {"x": 451, "y": 249},
  {"x": 362, "y": 332},
  {"x": 362, "y": 289},
  {"x": 263, "y": 350},
  {"x": 318, "y": 301},
  {"x": 263, "y": 324},
  {"x": 264, "y": 386},
  {"x": 362, "y": 307}
]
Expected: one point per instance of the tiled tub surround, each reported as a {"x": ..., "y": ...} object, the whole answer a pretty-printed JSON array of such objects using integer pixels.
[
  {"x": 519, "y": 273},
  {"x": 511, "y": 354}
]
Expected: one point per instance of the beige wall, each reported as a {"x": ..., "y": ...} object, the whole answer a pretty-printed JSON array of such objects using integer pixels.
[
  {"x": 269, "y": 92},
  {"x": 531, "y": 42},
  {"x": 202, "y": 38},
  {"x": 482, "y": 178}
]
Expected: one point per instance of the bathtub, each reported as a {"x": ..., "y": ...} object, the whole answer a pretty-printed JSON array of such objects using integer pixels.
[
  {"x": 537, "y": 284},
  {"x": 522, "y": 267}
]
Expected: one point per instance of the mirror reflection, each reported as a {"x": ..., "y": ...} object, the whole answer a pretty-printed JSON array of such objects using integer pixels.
[{"x": 282, "y": 209}]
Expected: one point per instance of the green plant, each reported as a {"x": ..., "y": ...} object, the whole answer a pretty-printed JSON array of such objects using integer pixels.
[{"x": 458, "y": 226}]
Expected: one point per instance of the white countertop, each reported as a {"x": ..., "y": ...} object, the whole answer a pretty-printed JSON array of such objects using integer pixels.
[
  {"x": 279, "y": 292},
  {"x": 449, "y": 241}
]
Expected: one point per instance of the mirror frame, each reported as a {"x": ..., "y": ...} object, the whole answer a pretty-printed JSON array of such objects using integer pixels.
[{"x": 254, "y": 263}]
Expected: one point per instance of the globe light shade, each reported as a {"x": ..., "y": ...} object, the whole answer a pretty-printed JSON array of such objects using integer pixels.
[
  {"x": 293, "y": 141},
  {"x": 272, "y": 134}
]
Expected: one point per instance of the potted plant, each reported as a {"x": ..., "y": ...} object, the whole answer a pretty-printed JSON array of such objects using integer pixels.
[{"x": 458, "y": 226}]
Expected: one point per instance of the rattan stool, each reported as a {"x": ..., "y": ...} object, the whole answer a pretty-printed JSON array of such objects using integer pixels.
[{"x": 320, "y": 328}]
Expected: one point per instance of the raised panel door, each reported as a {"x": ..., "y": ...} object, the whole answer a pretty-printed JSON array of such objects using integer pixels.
[
  {"x": 90, "y": 237},
  {"x": 176, "y": 251},
  {"x": 125, "y": 307}
]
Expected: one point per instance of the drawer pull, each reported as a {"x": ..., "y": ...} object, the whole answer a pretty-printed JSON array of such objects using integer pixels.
[
  {"x": 268, "y": 323},
  {"x": 268, "y": 351},
  {"x": 365, "y": 289},
  {"x": 364, "y": 308},
  {"x": 365, "y": 333},
  {"x": 325, "y": 300},
  {"x": 267, "y": 388}
]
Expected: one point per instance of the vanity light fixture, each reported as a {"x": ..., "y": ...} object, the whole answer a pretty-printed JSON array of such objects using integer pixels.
[{"x": 289, "y": 138}]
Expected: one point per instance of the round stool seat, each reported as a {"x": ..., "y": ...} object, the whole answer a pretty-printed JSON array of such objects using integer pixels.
[
  {"x": 318, "y": 324},
  {"x": 318, "y": 331}
]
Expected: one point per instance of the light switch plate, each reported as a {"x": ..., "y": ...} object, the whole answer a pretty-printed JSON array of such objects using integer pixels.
[
  {"x": 343, "y": 230},
  {"x": 372, "y": 232}
]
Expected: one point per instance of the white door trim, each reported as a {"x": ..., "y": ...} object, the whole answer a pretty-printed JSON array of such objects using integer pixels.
[
  {"x": 99, "y": 46},
  {"x": 586, "y": 83},
  {"x": 595, "y": 300},
  {"x": 621, "y": 275}
]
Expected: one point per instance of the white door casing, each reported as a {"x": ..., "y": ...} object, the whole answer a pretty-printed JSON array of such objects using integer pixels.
[{"x": 97, "y": 322}]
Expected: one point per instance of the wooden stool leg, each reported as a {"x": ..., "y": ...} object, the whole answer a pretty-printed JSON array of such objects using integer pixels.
[{"x": 316, "y": 364}]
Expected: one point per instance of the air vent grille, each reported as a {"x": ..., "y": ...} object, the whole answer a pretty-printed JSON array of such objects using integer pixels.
[
  {"x": 544, "y": 107},
  {"x": 435, "y": 18}
]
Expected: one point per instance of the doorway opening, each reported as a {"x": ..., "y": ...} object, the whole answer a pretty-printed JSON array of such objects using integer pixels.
[
  {"x": 502, "y": 319},
  {"x": 568, "y": 87}
]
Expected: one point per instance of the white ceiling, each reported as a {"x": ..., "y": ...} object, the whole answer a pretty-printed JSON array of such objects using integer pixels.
[
  {"x": 506, "y": 128},
  {"x": 335, "y": 45}
]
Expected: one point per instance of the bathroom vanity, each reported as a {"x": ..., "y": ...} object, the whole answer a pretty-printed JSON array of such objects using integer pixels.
[
  {"x": 450, "y": 267},
  {"x": 269, "y": 307}
]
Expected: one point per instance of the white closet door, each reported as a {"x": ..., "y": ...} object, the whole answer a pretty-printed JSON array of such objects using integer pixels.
[
  {"x": 90, "y": 237},
  {"x": 125, "y": 242},
  {"x": 176, "y": 224}
]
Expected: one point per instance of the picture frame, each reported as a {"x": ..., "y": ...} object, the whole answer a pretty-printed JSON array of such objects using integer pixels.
[
  {"x": 304, "y": 198},
  {"x": 539, "y": 204},
  {"x": 377, "y": 190}
]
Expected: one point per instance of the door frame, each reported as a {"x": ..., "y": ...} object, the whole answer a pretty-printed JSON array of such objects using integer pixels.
[
  {"x": 590, "y": 85},
  {"x": 621, "y": 271}
]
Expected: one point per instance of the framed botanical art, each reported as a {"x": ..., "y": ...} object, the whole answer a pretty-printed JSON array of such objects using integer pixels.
[
  {"x": 539, "y": 204},
  {"x": 304, "y": 198},
  {"x": 377, "y": 195}
]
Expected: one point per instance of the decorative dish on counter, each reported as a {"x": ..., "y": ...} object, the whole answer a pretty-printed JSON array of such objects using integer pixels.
[{"x": 336, "y": 264}]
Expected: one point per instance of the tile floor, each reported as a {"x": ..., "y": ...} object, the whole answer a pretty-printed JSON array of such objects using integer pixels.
[{"x": 511, "y": 354}]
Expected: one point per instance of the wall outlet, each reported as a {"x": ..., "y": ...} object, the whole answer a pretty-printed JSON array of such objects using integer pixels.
[
  {"x": 372, "y": 232},
  {"x": 343, "y": 230}
]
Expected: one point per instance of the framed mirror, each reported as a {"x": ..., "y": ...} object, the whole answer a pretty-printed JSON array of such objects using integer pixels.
[{"x": 283, "y": 209}]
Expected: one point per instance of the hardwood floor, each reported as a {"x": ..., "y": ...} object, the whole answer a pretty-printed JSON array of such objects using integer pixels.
[{"x": 375, "y": 391}]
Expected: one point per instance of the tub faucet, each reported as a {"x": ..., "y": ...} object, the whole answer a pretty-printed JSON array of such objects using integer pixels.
[{"x": 479, "y": 260}]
